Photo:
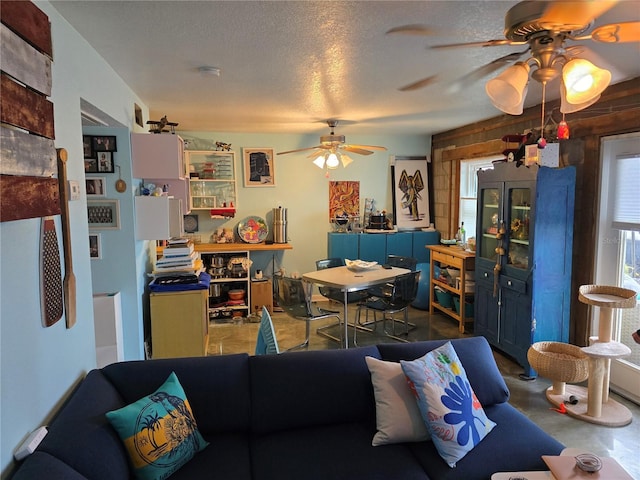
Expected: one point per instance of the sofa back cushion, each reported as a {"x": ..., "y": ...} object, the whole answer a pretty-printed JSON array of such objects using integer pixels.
[
  {"x": 217, "y": 387},
  {"x": 81, "y": 436},
  {"x": 300, "y": 389},
  {"x": 474, "y": 353}
]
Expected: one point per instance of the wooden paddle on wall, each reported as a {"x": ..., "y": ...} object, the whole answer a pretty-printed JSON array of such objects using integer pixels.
[{"x": 69, "y": 282}]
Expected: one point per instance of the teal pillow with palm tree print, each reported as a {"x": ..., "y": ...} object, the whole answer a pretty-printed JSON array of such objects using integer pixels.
[
  {"x": 158, "y": 431},
  {"x": 449, "y": 407}
]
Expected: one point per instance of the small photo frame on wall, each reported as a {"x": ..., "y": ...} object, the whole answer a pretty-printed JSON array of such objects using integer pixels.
[
  {"x": 95, "y": 246},
  {"x": 104, "y": 143},
  {"x": 103, "y": 214},
  {"x": 259, "y": 167},
  {"x": 90, "y": 165},
  {"x": 410, "y": 188},
  {"x": 87, "y": 146},
  {"x": 105, "y": 162},
  {"x": 96, "y": 186}
]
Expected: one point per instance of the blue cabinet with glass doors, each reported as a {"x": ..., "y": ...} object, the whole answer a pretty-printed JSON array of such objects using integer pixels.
[{"x": 524, "y": 243}]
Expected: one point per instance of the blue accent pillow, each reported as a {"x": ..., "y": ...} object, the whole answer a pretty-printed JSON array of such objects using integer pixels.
[
  {"x": 267, "y": 343},
  {"x": 159, "y": 431},
  {"x": 449, "y": 407}
]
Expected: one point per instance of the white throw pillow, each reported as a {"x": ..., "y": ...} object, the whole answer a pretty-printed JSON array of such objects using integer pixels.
[{"x": 398, "y": 417}]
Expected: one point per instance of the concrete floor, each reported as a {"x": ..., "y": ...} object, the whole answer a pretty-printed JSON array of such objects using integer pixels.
[{"x": 621, "y": 443}]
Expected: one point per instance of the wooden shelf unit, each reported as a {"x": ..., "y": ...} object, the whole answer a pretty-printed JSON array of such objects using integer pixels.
[{"x": 464, "y": 261}]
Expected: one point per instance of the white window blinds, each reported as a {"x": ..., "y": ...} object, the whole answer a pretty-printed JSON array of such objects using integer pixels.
[{"x": 626, "y": 197}]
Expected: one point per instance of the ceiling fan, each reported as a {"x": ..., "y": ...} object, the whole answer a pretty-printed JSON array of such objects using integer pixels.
[
  {"x": 544, "y": 27},
  {"x": 332, "y": 148}
]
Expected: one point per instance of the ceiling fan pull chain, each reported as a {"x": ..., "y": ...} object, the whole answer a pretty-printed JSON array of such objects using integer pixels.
[{"x": 541, "y": 141}]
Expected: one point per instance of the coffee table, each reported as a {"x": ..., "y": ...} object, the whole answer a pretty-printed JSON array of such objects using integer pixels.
[{"x": 522, "y": 476}]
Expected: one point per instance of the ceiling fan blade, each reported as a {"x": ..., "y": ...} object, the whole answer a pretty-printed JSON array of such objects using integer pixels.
[
  {"x": 419, "y": 84},
  {"x": 367, "y": 147},
  {"x": 299, "y": 150},
  {"x": 488, "y": 43},
  {"x": 616, "y": 33},
  {"x": 315, "y": 153},
  {"x": 359, "y": 151},
  {"x": 573, "y": 15},
  {"x": 411, "y": 30},
  {"x": 475, "y": 75}
]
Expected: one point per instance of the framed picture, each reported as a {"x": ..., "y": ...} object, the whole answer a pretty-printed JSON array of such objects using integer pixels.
[
  {"x": 90, "y": 165},
  {"x": 259, "y": 167},
  {"x": 105, "y": 162},
  {"x": 87, "y": 146},
  {"x": 103, "y": 214},
  {"x": 410, "y": 188},
  {"x": 95, "y": 247},
  {"x": 96, "y": 186},
  {"x": 104, "y": 143}
]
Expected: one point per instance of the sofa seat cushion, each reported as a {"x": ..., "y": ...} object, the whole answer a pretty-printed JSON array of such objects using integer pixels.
[
  {"x": 226, "y": 458},
  {"x": 336, "y": 452},
  {"x": 514, "y": 444}
]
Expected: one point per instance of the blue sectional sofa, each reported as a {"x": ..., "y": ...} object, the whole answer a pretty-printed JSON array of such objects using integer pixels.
[{"x": 294, "y": 416}]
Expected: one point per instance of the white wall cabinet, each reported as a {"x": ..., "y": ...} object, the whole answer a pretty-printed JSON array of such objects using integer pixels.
[
  {"x": 157, "y": 156},
  {"x": 158, "y": 218}
]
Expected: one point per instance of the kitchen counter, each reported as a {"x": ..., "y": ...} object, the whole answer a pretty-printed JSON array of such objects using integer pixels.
[{"x": 236, "y": 247}]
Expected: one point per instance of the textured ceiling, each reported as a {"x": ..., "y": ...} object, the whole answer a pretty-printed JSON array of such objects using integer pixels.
[{"x": 287, "y": 66}]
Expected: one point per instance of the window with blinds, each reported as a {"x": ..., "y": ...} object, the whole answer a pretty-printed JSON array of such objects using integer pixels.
[{"x": 626, "y": 197}]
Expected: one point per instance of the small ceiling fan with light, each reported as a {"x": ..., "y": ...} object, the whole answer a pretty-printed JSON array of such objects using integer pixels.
[
  {"x": 332, "y": 149},
  {"x": 545, "y": 27}
]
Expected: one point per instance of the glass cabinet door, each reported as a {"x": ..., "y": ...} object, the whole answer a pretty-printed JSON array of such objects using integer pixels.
[
  {"x": 518, "y": 210},
  {"x": 488, "y": 223}
]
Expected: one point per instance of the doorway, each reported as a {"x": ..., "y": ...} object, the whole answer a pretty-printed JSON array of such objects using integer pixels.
[{"x": 618, "y": 252}]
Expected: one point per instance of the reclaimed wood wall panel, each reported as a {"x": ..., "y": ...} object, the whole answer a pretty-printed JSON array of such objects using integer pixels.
[
  {"x": 24, "y": 108},
  {"x": 25, "y": 154},
  {"x": 28, "y": 197},
  {"x": 28, "y": 21},
  {"x": 23, "y": 62}
]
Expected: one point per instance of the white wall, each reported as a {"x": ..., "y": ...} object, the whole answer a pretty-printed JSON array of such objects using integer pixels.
[{"x": 39, "y": 366}]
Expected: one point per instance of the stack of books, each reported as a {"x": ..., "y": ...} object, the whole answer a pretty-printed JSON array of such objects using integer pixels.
[{"x": 180, "y": 260}]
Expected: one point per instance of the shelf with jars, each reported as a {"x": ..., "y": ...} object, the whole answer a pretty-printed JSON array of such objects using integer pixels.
[{"x": 212, "y": 182}]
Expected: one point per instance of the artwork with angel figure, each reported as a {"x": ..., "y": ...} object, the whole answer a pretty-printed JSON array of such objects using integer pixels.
[{"x": 411, "y": 194}]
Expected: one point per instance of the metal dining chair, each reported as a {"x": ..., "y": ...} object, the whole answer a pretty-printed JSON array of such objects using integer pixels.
[
  {"x": 336, "y": 295},
  {"x": 397, "y": 299},
  {"x": 293, "y": 295},
  {"x": 384, "y": 289}
]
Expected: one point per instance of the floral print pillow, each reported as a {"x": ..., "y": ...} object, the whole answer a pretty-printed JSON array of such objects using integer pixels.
[{"x": 448, "y": 405}]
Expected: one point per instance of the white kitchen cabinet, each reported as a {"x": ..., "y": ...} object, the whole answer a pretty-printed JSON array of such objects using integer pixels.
[
  {"x": 157, "y": 156},
  {"x": 158, "y": 218}
]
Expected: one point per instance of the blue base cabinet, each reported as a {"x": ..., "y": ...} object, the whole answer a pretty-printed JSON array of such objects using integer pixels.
[
  {"x": 342, "y": 245},
  {"x": 374, "y": 247},
  {"x": 524, "y": 243}
]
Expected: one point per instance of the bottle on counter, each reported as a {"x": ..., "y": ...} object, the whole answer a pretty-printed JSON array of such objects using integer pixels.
[{"x": 461, "y": 235}]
